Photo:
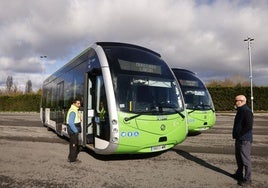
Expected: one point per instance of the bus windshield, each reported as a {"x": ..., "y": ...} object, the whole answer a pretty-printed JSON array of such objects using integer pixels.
[
  {"x": 196, "y": 95},
  {"x": 147, "y": 94},
  {"x": 142, "y": 82}
]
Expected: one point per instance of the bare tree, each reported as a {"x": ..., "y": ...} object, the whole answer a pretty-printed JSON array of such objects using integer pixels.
[
  {"x": 9, "y": 83},
  {"x": 15, "y": 89},
  {"x": 28, "y": 87},
  {"x": 240, "y": 80},
  {"x": 235, "y": 80}
]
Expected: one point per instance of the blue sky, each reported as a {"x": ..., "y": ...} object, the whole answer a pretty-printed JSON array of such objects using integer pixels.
[{"x": 205, "y": 36}]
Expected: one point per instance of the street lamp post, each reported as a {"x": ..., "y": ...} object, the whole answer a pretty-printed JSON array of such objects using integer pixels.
[{"x": 249, "y": 40}]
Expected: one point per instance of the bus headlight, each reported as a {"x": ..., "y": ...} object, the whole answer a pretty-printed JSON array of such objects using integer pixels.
[
  {"x": 114, "y": 139},
  {"x": 115, "y": 130},
  {"x": 114, "y": 122}
]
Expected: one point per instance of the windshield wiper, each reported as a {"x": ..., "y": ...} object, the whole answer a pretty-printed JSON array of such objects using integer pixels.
[
  {"x": 137, "y": 115},
  {"x": 154, "y": 111},
  {"x": 177, "y": 111},
  {"x": 210, "y": 108},
  {"x": 196, "y": 107},
  {"x": 160, "y": 107},
  {"x": 191, "y": 111}
]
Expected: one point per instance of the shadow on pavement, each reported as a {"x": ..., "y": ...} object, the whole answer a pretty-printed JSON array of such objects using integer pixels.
[{"x": 201, "y": 162}]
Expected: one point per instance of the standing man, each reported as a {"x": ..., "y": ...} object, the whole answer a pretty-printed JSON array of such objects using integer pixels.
[
  {"x": 74, "y": 128},
  {"x": 242, "y": 133}
]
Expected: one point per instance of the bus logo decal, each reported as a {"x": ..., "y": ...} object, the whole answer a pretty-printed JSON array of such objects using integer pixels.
[
  {"x": 123, "y": 134},
  {"x": 136, "y": 134},
  {"x": 130, "y": 134},
  {"x": 163, "y": 127}
]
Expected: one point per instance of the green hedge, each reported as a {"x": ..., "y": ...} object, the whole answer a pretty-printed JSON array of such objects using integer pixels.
[
  {"x": 223, "y": 97},
  {"x": 21, "y": 103}
]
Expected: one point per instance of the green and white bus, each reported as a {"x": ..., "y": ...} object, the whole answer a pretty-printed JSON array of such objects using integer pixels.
[
  {"x": 131, "y": 101},
  {"x": 199, "y": 104}
]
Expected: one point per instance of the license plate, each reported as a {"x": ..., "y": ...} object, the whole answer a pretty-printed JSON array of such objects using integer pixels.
[{"x": 158, "y": 148}]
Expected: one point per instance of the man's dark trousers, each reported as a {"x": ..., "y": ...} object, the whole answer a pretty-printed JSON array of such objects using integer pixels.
[
  {"x": 243, "y": 159},
  {"x": 73, "y": 150}
]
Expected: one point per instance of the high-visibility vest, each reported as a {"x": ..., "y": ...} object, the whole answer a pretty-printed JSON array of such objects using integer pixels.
[
  {"x": 74, "y": 109},
  {"x": 102, "y": 113}
]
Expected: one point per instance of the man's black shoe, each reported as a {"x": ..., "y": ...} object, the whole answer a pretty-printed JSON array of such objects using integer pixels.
[
  {"x": 75, "y": 161},
  {"x": 236, "y": 177},
  {"x": 244, "y": 183}
]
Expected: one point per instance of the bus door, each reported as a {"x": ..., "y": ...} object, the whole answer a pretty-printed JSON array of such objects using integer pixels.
[
  {"x": 97, "y": 112},
  {"x": 101, "y": 120},
  {"x": 89, "y": 111}
]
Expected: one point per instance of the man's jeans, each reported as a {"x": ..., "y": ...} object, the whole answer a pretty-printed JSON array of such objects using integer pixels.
[{"x": 243, "y": 159}]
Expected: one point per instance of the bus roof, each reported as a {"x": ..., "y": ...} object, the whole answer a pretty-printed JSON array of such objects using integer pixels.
[
  {"x": 103, "y": 44},
  {"x": 182, "y": 70}
]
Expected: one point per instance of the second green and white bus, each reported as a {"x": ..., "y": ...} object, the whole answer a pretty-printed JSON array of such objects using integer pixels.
[
  {"x": 131, "y": 101},
  {"x": 199, "y": 104}
]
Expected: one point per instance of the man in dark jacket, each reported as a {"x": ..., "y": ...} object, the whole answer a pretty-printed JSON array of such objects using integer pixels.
[{"x": 242, "y": 133}]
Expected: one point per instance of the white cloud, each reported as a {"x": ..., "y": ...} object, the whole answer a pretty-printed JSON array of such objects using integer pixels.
[{"x": 204, "y": 36}]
